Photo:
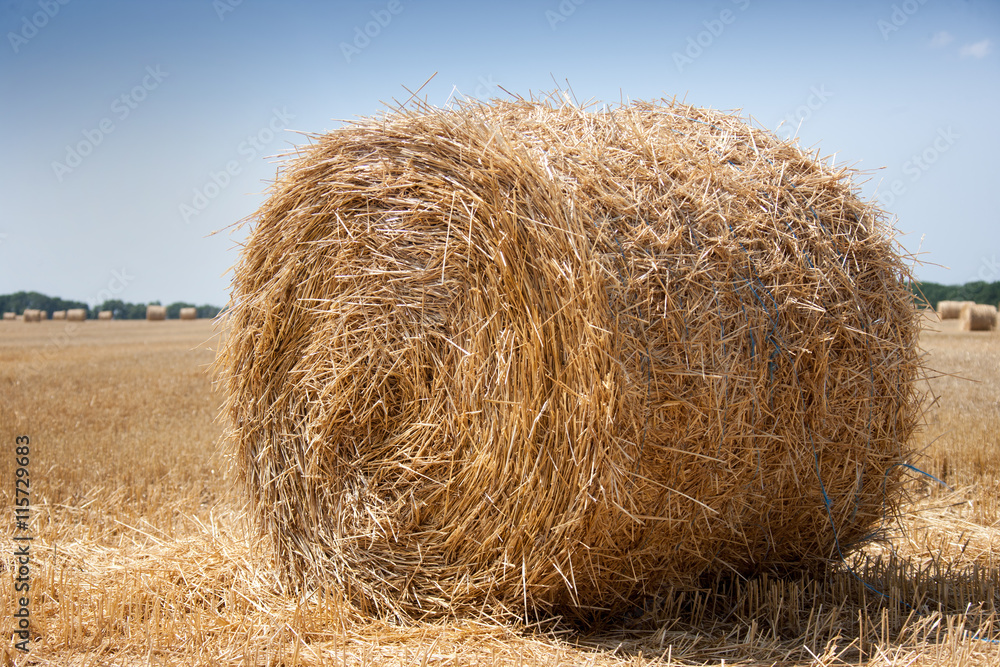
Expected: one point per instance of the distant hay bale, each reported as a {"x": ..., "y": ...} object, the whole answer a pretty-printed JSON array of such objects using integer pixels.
[
  {"x": 76, "y": 314},
  {"x": 43, "y": 315},
  {"x": 59, "y": 314},
  {"x": 189, "y": 313},
  {"x": 949, "y": 310},
  {"x": 32, "y": 315},
  {"x": 105, "y": 315},
  {"x": 9, "y": 316},
  {"x": 523, "y": 358},
  {"x": 156, "y": 313},
  {"x": 979, "y": 317}
]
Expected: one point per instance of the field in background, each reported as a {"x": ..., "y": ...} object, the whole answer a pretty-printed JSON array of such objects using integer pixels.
[{"x": 139, "y": 556}]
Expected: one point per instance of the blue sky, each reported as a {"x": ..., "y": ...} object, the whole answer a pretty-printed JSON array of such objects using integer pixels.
[{"x": 131, "y": 131}]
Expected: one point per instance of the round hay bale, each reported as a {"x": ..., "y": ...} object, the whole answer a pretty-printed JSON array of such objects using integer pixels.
[
  {"x": 979, "y": 317},
  {"x": 105, "y": 315},
  {"x": 949, "y": 310},
  {"x": 189, "y": 313},
  {"x": 156, "y": 313},
  {"x": 9, "y": 317},
  {"x": 524, "y": 358},
  {"x": 59, "y": 314},
  {"x": 32, "y": 315},
  {"x": 76, "y": 314}
]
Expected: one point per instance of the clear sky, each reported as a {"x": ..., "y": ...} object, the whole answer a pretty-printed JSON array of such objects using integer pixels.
[{"x": 130, "y": 131}]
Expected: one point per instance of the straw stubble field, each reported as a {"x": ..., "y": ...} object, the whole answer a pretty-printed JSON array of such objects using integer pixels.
[{"x": 139, "y": 556}]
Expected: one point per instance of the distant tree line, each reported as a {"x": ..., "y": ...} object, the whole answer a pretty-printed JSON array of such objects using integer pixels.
[
  {"x": 17, "y": 302},
  {"x": 978, "y": 291},
  {"x": 122, "y": 310}
]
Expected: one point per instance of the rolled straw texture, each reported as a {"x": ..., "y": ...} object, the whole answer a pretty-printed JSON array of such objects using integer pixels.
[
  {"x": 105, "y": 315},
  {"x": 979, "y": 317},
  {"x": 949, "y": 310},
  {"x": 76, "y": 314},
  {"x": 59, "y": 314},
  {"x": 189, "y": 313},
  {"x": 156, "y": 313},
  {"x": 522, "y": 358}
]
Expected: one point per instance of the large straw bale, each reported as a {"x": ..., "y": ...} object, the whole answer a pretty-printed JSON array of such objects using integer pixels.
[
  {"x": 32, "y": 315},
  {"x": 979, "y": 317},
  {"x": 189, "y": 313},
  {"x": 76, "y": 314},
  {"x": 526, "y": 358},
  {"x": 949, "y": 310},
  {"x": 9, "y": 316},
  {"x": 105, "y": 315},
  {"x": 59, "y": 314},
  {"x": 156, "y": 313}
]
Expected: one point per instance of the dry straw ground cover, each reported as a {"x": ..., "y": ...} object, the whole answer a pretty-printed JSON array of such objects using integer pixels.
[
  {"x": 139, "y": 558},
  {"x": 524, "y": 359}
]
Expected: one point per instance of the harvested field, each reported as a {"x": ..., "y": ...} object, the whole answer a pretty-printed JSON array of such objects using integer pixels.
[{"x": 140, "y": 558}]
